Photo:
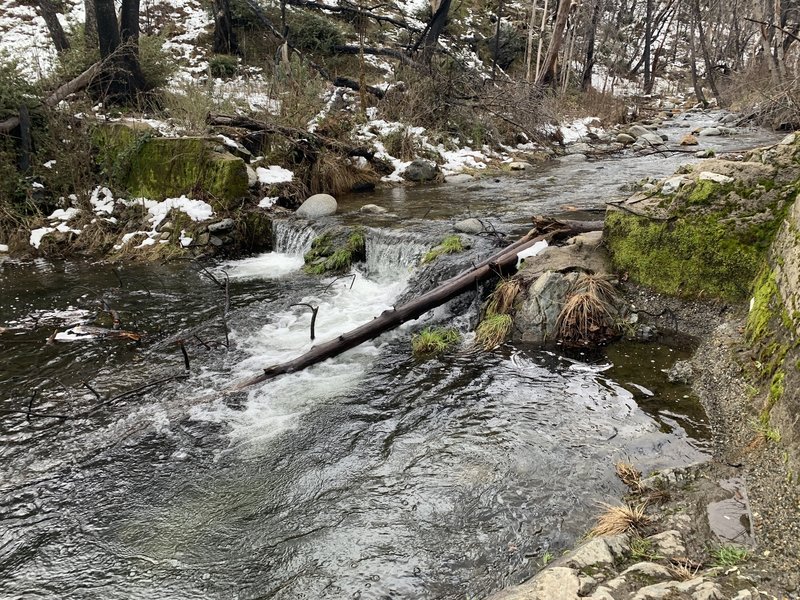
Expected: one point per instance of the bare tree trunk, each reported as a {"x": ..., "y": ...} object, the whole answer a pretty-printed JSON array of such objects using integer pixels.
[
  {"x": 224, "y": 37},
  {"x": 698, "y": 88},
  {"x": 706, "y": 56},
  {"x": 50, "y": 16},
  {"x": 541, "y": 40},
  {"x": 548, "y": 72},
  {"x": 529, "y": 44},
  {"x": 437, "y": 23},
  {"x": 90, "y": 26},
  {"x": 122, "y": 76},
  {"x": 648, "y": 40},
  {"x": 588, "y": 65},
  {"x": 497, "y": 37}
]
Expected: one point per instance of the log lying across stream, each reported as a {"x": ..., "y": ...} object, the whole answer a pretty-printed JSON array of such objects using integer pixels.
[{"x": 498, "y": 263}]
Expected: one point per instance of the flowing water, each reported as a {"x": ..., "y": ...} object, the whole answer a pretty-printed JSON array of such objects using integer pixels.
[{"x": 371, "y": 475}]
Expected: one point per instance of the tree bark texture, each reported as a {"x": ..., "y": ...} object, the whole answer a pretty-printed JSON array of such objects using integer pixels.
[{"x": 50, "y": 15}]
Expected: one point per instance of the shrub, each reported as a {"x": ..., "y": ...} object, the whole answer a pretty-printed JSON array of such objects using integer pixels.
[
  {"x": 313, "y": 33},
  {"x": 223, "y": 65},
  {"x": 157, "y": 65},
  {"x": 15, "y": 88}
]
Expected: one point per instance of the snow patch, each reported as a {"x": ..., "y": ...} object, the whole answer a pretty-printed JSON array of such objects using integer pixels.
[{"x": 274, "y": 174}]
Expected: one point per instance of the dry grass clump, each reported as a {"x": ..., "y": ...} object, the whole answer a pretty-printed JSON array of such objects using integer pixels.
[
  {"x": 331, "y": 174},
  {"x": 502, "y": 298},
  {"x": 629, "y": 475},
  {"x": 588, "y": 317},
  {"x": 683, "y": 569},
  {"x": 620, "y": 519}
]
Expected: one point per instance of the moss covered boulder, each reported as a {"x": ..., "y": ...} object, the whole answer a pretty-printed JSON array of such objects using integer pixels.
[
  {"x": 703, "y": 234},
  {"x": 154, "y": 167},
  {"x": 335, "y": 251}
]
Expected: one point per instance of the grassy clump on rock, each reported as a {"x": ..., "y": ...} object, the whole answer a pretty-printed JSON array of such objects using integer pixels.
[
  {"x": 335, "y": 252},
  {"x": 434, "y": 341},
  {"x": 452, "y": 244}
]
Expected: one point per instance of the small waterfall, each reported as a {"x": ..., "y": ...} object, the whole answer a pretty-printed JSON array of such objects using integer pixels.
[
  {"x": 392, "y": 254},
  {"x": 292, "y": 237}
]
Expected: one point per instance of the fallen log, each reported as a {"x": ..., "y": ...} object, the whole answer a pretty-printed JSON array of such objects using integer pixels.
[
  {"x": 290, "y": 133},
  {"x": 573, "y": 225},
  {"x": 72, "y": 86},
  {"x": 500, "y": 262}
]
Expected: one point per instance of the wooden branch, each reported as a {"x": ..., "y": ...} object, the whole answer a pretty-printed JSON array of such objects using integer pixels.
[
  {"x": 314, "y": 139},
  {"x": 352, "y": 11},
  {"x": 72, "y": 86},
  {"x": 390, "y": 52},
  {"x": 773, "y": 26},
  {"x": 503, "y": 260}
]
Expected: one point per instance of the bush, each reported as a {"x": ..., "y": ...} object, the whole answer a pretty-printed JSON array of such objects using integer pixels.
[
  {"x": 312, "y": 33},
  {"x": 223, "y": 65},
  {"x": 157, "y": 66},
  {"x": 15, "y": 89}
]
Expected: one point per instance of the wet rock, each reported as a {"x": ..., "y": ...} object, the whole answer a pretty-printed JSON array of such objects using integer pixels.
[
  {"x": 707, "y": 153},
  {"x": 673, "y": 184},
  {"x": 689, "y": 140},
  {"x": 556, "y": 583},
  {"x": 535, "y": 321},
  {"x": 373, "y": 209},
  {"x": 473, "y": 226},
  {"x": 651, "y": 138},
  {"x": 318, "y": 205},
  {"x": 624, "y": 138},
  {"x": 638, "y": 131},
  {"x": 593, "y": 552},
  {"x": 710, "y": 131},
  {"x": 681, "y": 372},
  {"x": 645, "y": 333},
  {"x": 715, "y": 177},
  {"x": 647, "y": 569},
  {"x": 421, "y": 170},
  {"x": 519, "y": 165},
  {"x": 222, "y": 226},
  {"x": 573, "y": 158},
  {"x": 252, "y": 176},
  {"x": 459, "y": 178}
]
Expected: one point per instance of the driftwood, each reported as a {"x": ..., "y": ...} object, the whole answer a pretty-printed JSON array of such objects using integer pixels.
[
  {"x": 290, "y": 133},
  {"x": 504, "y": 260},
  {"x": 72, "y": 86},
  {"x": 572, "y": 225}
]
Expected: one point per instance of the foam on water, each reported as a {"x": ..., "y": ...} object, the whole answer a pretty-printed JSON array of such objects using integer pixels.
[{"x": 270, "y": 265}]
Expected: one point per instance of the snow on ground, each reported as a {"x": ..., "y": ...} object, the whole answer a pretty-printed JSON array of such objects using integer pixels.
[{"x": 274, "y": 174}]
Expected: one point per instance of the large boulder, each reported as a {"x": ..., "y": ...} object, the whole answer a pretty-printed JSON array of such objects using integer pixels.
[
  {"x": 154, "y": 167},
  {"x": 318, "y": 205},
  {"x": 421, "y": 170}
]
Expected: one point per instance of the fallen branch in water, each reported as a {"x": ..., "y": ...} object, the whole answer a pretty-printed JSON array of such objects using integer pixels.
[{"x": 504, "y": 260}]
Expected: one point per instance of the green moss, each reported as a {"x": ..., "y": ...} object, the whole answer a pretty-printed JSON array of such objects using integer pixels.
[
  {"x": 160, "y": 167},
  {"x": 776, "y": 388},
  {"x": 705, "y": 191},
  {"x": 434, "y": 341},
  {"x": 326, "y": 256},
  {"x": 766, "y": 303},
  {"x": 450, "y": 245},
  {"x": 689, "y": 256}
]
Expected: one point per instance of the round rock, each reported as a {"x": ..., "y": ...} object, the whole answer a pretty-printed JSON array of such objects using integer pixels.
[
  {"x": 318, "y": 205},
  {"x": 472, "y": 225}
]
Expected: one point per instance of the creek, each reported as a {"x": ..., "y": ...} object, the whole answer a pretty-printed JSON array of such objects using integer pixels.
[{"x": 371, "y": 475}]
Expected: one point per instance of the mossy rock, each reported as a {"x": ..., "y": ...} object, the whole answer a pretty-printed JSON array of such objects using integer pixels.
[
  {"x": 697, "y": 256},
  {"x": 335, "y": 251},
  {"x": 164, "y": 167}
]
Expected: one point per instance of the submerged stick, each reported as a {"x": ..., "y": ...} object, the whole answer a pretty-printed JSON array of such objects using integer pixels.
[{"x": 505, "y": 259}]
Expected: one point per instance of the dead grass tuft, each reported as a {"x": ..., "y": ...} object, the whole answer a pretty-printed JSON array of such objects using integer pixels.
[
  {"x": 629, "y": 475},
  {"x": 502, "y": 298},
  {"x": 588, "y": 317},
  {"x": 620, "y": 519},
  {"x": 683, "y": 569}
]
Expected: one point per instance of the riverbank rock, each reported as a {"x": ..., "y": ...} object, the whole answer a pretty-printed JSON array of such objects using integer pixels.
[
  {"x": 689, "y": 140},
  {"x": 421, "y": 170},
  {"x": 705, "y": 231},
  {"x": 519, "y": 165},
  {"x": 154, "y": 167},
  {"x": 459, "y": 178},
  {"x": 549, "y": 279},
  {"x": 671, "y": 558},
  {"x": 472, "y": 225},
  {"x": 318, "y": 205},
  {"x": 624, "y": 138}
]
